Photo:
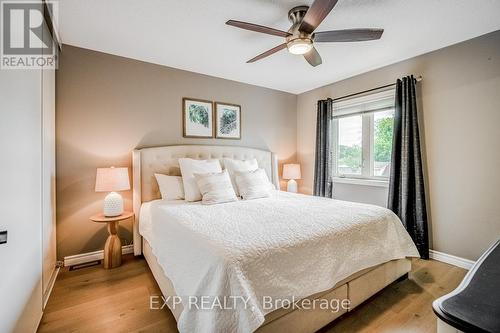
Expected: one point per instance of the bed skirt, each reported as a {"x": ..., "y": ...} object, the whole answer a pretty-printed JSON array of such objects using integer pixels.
[{"x": 357, "y": 288}]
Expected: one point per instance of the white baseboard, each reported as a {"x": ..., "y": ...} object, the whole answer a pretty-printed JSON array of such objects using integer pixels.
[
  {"x": 451, "y": 259},
  {"x": 82, "y": 258},
  {"x": 52, "y": 281}
]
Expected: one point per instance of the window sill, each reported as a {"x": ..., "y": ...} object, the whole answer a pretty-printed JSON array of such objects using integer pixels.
[{"x": 360, "y": 181}]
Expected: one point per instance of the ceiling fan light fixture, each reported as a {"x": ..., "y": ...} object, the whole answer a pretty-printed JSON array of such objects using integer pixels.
[
  {"x": 301, "y": 36},
  {"x": 299, "y": 45}
]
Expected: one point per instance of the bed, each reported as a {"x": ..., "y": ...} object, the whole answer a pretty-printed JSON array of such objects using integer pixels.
[{"x": 268, "y": 253}]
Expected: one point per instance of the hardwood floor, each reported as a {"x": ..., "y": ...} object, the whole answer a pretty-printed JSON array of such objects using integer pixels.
[
  {"x": 97, "y": 300},
  {"x": 403, "y": 306}
]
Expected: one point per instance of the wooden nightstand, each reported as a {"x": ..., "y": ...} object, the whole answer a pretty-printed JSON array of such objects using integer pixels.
[{"x": 113, "y": 247}]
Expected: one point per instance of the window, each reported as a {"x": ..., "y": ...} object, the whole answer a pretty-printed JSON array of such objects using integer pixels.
[{"x": 362, "y": 136}]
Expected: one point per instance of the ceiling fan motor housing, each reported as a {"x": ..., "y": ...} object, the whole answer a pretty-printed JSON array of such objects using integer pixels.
[{"x": 296, "y": 15}]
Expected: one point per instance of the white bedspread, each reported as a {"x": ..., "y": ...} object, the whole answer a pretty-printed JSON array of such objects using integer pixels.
[{"x": 286, "y": 245}]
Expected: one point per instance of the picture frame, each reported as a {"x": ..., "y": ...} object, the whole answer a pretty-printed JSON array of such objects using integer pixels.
[
  {"x": 227, "y": 121},
  {"x": 197, "y": 118}
]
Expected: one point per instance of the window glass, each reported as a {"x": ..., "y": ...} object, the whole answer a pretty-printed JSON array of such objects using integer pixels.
[
  {"x": 382, "y": 142},
  {"x": 350, "y": 144}
]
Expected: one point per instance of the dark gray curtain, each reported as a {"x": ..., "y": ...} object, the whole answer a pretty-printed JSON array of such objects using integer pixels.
[
  {"x": 323, "y": 165},
  {"x": 406, "y": 185}
]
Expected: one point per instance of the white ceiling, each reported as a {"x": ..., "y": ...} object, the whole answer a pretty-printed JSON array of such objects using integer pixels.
[{"x": 191, "y": 35}]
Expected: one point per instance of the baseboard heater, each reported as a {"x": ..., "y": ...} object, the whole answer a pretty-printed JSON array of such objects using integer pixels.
[{"x": 83, "y": 258}]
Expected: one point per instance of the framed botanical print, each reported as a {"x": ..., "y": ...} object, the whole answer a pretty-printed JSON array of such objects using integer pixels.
[
  {"x": 197, "y": 118},
  {"x": 227, "y": 121}
]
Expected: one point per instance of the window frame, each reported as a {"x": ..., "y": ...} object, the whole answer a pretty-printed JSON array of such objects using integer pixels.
[{"x": 367, "y": 140}]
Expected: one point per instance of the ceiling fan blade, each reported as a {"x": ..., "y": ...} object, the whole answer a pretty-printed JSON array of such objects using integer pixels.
[
  {"x": 258, "y": 28},
  {"x": 313, "y": 57},
  {"x": 316, "y": 14},
  {"x": 348, "y": 35},
  {"x": 268, "y": 53}
]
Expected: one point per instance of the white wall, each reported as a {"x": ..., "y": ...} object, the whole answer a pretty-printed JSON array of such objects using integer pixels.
[
  {"x": 27, "y": 195},
  {"x": 20, "y": 200},
  {"x": 375, "y": 195},
  {"x": 460, "y": 108}
]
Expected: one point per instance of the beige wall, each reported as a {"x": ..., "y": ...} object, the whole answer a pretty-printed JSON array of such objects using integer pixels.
[
  {"x": 108, "y": 105},
  {"x": 460, "y": 104}
]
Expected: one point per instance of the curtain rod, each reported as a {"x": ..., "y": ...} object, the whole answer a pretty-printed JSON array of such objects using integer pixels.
[{"x": 418, "y": 79}]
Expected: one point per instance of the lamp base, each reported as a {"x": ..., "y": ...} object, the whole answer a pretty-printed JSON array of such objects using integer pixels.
[
  {"x": 113, "y": 205},
  {"x": 291, "y": 186}
]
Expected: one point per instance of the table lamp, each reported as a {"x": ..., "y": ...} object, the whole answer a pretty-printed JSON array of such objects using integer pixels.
[
  {"x": 112, "y": 180},
  {"x": 291, "y": 172}
]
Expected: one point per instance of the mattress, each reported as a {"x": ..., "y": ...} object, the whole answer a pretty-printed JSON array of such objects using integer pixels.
[
  {"x": 288, "y": 245},
  {"x": 145, "y": 220}
]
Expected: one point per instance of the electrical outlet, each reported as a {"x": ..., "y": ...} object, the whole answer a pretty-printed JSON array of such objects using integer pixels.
[{"x": 3, "y": 236}]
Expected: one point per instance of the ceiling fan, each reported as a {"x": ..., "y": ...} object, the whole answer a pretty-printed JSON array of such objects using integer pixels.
[{"x": 300, "y": 38}]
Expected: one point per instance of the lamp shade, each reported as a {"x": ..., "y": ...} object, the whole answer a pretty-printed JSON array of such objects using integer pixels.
[
  {"x": 291, "y": 171},
  {"x": 112, "y": 179}
]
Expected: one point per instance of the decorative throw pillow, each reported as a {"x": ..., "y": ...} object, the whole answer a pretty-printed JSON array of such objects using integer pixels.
[
  {"x": 253, "y": 184},
  {"x": 233, "y": 166},
  {"x": 215, "y": 187},
  {"x": 171, "y": 187},
  {"x": 191, "y": 166}
]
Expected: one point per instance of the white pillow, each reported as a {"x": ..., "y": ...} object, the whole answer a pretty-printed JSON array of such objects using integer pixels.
[
  {"x": 253, "y": 184},
  {"x": 215, "y": 187},
  {"x": 189, "y": 167},
  {"x": 171, "y": 187},
  {"x": 233, "y": 166}
]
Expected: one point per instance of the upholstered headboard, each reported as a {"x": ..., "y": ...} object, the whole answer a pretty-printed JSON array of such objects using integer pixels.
[{"x": 148, "y": 161}]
